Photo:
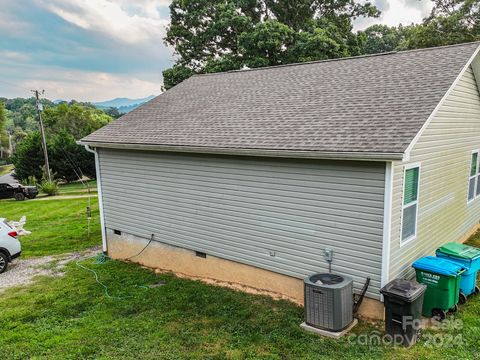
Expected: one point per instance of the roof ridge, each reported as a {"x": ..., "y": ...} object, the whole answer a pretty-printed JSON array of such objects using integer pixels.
[
  {"x": 299, "y": 63},
  {"x": 441, "y": 47},
  {"x": 337, "y": 59}
]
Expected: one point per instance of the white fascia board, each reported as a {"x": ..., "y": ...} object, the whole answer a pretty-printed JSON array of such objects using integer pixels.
[
  {"x": 299, "y": 154},
  {"x": 406, "y": 156}
]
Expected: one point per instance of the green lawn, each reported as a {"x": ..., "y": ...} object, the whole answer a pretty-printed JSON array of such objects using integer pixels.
[
  {"x": 70, "y": 317},
  {"x": 57, "y": 226},
  {"x": 78, "y": 187},
  {"x": 5, "y": 169},
  {"x": 474, "y": 239}
]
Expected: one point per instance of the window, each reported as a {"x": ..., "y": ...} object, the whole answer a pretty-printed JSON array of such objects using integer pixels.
[
  {"x": 410, "y": 203},
  {"x": 474, "y": 177}
]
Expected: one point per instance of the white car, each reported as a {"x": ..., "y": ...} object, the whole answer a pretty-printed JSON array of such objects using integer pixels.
[{"x": 10, "y": 247}]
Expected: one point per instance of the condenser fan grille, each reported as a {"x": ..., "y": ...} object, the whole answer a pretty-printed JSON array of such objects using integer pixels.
[{"x": 326, "y": 279}]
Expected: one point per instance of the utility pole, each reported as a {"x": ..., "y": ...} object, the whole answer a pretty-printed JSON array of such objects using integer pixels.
[{"x": 42, "y": 130}]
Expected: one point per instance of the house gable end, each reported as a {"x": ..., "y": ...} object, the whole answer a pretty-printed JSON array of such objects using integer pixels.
[
  {"x": 443, "y": 148},
  {"x": 474, "y": 61}
]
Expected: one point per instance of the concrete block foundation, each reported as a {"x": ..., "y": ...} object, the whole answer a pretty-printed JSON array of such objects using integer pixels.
[{"x": 214, "y": 270}]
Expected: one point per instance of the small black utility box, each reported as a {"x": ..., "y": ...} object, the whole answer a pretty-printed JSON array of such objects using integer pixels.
[{"x": 403, "y": 300}]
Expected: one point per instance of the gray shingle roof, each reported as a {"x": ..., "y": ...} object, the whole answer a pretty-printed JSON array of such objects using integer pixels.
[{"x": 372, "y": 104}]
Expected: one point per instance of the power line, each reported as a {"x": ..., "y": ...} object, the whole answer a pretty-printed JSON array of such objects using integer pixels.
[{"x": 42, "y": 130}]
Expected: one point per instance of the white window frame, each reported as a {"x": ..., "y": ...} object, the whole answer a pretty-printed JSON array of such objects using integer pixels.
[
  {"x": 475, "y": 176},
  {"x": 414, "y": 236}
]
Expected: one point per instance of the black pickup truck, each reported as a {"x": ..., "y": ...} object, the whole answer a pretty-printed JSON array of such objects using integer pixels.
[{"x": 17, "y": 192}]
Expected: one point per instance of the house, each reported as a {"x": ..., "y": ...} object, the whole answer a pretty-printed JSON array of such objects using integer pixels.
[{"x": 248, "y": 176}]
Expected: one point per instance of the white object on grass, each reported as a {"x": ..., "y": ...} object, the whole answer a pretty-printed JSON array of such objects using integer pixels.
[{"x": 18, "y": 226}]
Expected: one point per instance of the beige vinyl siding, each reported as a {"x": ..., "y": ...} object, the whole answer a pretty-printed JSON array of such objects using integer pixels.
[
  {"x": 443, "y": 152},
  {"x": 275, "y": 214}
]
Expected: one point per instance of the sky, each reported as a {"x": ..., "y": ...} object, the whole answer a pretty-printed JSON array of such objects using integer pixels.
[{"x": 95, "y": 50}]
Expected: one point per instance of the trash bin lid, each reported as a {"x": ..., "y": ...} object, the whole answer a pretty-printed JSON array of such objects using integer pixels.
[
  {"x": 404, "y": 289},
  {"x": 460, "y": 251},
  {"x": 438, "y": 266}
]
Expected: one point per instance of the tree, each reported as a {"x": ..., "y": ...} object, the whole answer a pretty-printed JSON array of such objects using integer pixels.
[
  {"x": 28, "y": 158},
  {"x": 113, "y": 112},
  {"x": 176, "y": 74},
  {"x": 64, "y": 124},
  {"x": 450, "y": 22},
  {"x": 68, "y": 160},
  {"x": 4, "y": 138},
  {"x": 382, "y": 38},
  {"x": 77, "y": 120},
  {"x": 18, "y": 135},
  {"x": 219, "y": 35}
]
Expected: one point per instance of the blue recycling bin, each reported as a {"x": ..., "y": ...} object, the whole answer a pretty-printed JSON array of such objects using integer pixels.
[{"x": 467, "y": 256}]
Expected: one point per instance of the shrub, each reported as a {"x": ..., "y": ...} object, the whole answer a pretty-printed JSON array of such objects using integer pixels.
[
  {"x": 49, "y": 187},
  {"x": 30, "y": 181}
]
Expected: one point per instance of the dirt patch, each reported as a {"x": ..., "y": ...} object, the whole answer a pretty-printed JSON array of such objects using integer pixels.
[
  {"x": 230, "y": 285},
  {"x": 22, "y": 271}
]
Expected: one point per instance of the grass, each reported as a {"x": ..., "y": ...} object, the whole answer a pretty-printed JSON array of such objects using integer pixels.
[
  {"x": 5, "y": 169},
  {"x": 70, "y": 317},
  {"x": 474, "y": 240},
  {"x": 78, "y": 187},
  {"x": 57, "y": 226}
]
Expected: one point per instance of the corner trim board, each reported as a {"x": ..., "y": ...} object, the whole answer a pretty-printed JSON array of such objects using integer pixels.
[
  {"x": 387, "y": 220},
  {"x": 100, "y": 197}
]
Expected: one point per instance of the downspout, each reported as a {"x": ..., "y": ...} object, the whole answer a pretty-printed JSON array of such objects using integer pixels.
[
  {"x": 100, "y": 198},
  {"x": 387, "y": 220}
]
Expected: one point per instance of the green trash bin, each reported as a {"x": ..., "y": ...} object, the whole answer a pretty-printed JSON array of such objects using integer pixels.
[
  {"x": 442, "y": 278},
  {"x": 468, "y": 257}
]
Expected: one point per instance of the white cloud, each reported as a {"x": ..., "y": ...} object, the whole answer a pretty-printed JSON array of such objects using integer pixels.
[
  {"x": 406, "y": 12},
  {"x": 146, "y": 8},
  {"x": 108, "y": 48},
  {"x": 395, "y": 12},
  {"x": 8, "y": 23},
  {"x": 13, "y": 56},
  {"x": 93, "y": 86},
  {"x": 103, "y": 48},
  {"x": 112, "y": 18},
  {"x": 64, "y": 84}
]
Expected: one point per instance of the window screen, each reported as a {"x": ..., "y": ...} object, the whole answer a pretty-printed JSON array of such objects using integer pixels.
[
  {"x": 474, "y": 177},
  {"x": 410, "y": 203}
]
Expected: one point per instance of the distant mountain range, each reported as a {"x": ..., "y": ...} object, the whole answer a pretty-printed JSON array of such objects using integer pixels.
[{"x": 123, "y": 104}]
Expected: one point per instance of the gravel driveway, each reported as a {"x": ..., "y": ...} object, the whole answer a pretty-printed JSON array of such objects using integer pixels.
[{"x": 22, "y": 271}]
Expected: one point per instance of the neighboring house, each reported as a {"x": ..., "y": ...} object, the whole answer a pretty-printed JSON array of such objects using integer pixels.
[{"x": 248, "y": 176}]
